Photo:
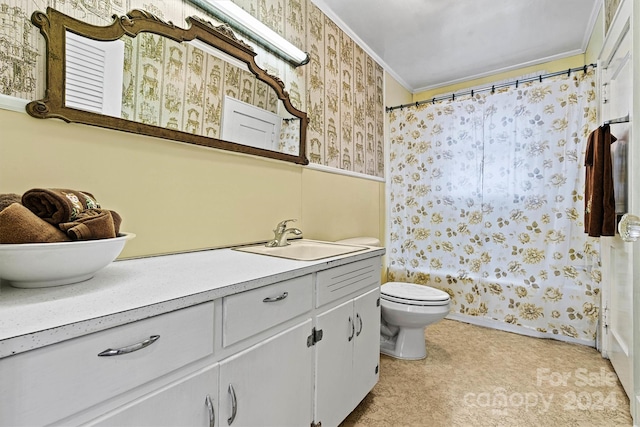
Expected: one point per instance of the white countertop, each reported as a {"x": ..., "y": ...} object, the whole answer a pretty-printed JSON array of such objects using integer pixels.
[{"x": 130, "y": 290}]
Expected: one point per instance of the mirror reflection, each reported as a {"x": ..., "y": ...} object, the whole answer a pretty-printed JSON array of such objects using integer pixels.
[{"x": 182, "y": 83}]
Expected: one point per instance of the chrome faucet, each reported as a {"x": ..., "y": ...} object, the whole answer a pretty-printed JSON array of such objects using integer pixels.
[{"x": 280, "y": 234}]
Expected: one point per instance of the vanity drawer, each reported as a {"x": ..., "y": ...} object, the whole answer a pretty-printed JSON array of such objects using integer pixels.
[
  {"x": 248, "y": 313},
  {"x": 44, "y": 385},
  {"x": 340, "y": 281}
]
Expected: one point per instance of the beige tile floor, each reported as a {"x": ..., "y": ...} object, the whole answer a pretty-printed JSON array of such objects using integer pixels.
[{"x": 475, "y": 376}]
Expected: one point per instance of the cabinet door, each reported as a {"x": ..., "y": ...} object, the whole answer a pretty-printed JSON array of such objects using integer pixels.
[
  {"x": 269, "y": 384},
  {"x": 334, "y": 356},
  {"x": 366, "y": 351},
  {"x": 191, "y": 401}
]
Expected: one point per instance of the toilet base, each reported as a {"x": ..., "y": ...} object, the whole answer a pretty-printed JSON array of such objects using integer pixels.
[{"x": 408, "y": 344}]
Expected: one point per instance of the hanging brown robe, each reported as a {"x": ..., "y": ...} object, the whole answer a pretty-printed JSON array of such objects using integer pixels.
[{"x": 599, "y": 201}]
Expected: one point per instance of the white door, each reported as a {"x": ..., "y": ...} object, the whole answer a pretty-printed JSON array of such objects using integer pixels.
[
  {"x": 270, "y": 384},
  {"x": 616, "y": 63}
]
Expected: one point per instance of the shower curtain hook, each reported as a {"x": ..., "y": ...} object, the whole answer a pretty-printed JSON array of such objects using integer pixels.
[
  {"x": 453, "y": 96},
  {"x": 433, "y": 101},
  {"x": 472, "y": 93},
  {"x": 516, "y": 84},
  {"x": 540, "y": 78},
  {"x": 569, "y": 72},
  {"x": 493, "y": 89},
  {"x": 584, "y": 70}
]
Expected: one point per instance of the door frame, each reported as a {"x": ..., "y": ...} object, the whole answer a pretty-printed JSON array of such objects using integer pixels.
[{"x": 626, "y": 20}]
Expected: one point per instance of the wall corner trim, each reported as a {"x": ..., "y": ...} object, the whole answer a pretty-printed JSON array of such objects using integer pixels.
[
  {"x": 337, "y": 171},
  {"x": 12, "y": 103}
]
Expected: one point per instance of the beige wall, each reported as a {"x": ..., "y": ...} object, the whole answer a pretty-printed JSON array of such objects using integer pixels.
[
  {"x": 357, "y": 209},
  {"x": 596, "y": 40},
  {"x": 395, "y": 93},
  {"x": 179, "y": 197}
]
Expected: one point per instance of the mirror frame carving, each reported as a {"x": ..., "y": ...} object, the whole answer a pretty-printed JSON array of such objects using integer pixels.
[{"x": 53, "y": 25}]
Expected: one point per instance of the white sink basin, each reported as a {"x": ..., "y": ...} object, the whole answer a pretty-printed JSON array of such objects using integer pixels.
[{"x": 304, "y": 250}]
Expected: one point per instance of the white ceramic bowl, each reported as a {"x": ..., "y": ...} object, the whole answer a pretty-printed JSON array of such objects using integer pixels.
[{"x": 39, "y": 265}]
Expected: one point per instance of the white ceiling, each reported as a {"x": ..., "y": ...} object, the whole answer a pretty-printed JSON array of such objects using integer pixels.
[{"x": 426, "y": 44}]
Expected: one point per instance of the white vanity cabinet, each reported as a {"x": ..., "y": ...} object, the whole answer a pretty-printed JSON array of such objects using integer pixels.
[
  {"x": 347, "y": 357},
  {"x": 297, "y": 349}
]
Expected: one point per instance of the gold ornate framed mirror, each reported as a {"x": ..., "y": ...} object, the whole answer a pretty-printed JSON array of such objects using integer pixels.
[{"x": 199, "y": 85}]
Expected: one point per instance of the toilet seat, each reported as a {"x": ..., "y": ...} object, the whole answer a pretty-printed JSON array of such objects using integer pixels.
[{"x": 412, "y": 294}]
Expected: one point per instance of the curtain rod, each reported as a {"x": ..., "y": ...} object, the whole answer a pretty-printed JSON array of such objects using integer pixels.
[{"x": 492, "y": 88}]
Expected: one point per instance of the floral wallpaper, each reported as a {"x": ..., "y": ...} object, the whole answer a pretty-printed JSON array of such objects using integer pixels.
[
  {"x": 179, "y": 86},
  {"x": 340, "y": 89},
  {"x": 486, "y": 199},
  {"x": 345, "y": 102},
  {"x": 19, "y": 53}
]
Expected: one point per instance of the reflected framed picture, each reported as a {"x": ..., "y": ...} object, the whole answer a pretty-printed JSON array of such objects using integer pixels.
[{"x": 610, "y": 8}]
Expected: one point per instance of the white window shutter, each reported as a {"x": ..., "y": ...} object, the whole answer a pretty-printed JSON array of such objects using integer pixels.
[{"x": 93, "y": 80}]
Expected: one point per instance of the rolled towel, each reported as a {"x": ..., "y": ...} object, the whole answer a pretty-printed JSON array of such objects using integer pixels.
[
  {"x": 56, "y": 205},
  {"x": 90, "y": 224},
  {"x": 7, "y": 199},
  {"x": 19, "y": 225}
]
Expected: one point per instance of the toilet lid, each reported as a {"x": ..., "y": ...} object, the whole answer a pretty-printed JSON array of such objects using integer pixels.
[{"x": 409, "y": 293}]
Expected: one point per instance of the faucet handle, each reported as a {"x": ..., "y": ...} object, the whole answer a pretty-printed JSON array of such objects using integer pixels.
[{"x": 283, "y": 224}]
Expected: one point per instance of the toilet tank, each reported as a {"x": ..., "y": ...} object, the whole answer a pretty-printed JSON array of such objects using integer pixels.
[{"x": 365, "y": 241}]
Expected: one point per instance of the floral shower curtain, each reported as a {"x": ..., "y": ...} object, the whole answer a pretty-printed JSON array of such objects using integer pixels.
[{"x": 486, "y": 199}]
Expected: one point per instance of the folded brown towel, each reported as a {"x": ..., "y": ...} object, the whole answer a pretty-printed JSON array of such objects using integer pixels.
[
  {"x": 56, "y": 205},
  {"x": 7, "y": 199},
  {"x": 117, "y": 220},
  {"x": 19, "y": 225},
  {"x": 90, "y": 224}
]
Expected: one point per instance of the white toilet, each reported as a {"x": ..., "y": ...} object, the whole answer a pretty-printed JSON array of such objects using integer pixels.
[{"x": 407, "y": 309}]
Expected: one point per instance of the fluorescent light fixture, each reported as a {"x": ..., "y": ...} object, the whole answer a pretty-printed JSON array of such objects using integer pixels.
[{"x": 238, "y": 18}]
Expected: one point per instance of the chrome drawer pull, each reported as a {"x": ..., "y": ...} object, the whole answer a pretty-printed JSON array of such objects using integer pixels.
[
  {"x": 360, "y": 320},
  {"x": 212, "y": 412},
  {"x": 352, "y": 325},
  {"x": 234, "y": 405},
  {"x": 278, "y": 298},
  {"x": 130, "y": 348}
]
